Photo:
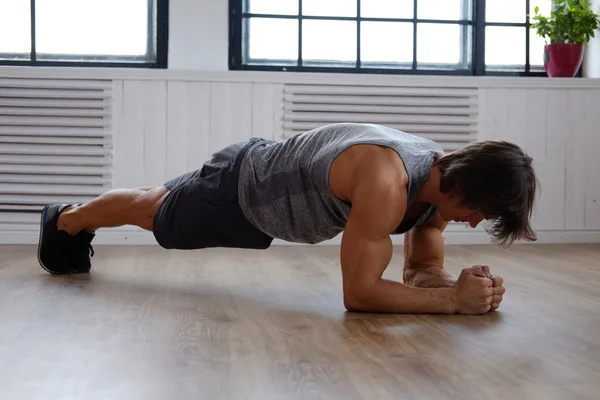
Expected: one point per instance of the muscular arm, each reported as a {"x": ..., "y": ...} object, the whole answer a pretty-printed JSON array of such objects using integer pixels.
[
  {"x": 378, "y": 203},
  {"x": 424, "y": 256}
]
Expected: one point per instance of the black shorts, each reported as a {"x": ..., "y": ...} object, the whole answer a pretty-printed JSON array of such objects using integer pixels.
[{"x": 202, "y": 209}]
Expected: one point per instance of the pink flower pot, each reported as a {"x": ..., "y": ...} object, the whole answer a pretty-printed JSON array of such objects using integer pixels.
[{"x": 563, "y": 59}]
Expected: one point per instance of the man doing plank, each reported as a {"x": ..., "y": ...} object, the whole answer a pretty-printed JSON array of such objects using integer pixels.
[{"x": 367, "y": 181}]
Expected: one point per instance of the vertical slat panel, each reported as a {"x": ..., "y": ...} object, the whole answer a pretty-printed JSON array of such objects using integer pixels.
[
  {"x": 230, "y": 114},
  {"x": 484, "y": 114},
  {"x": 533, "y": 139},
  {"x": 522, "y": 113},
  {"x": 177, "y": 128},
  {"x": 515, "y": 116},
  {"x": 263, "y": 110},
  {"x": 590, "y": 127},
  {"x": 198, "y": 132},
  {"x": 117, "y": 127},
  {"x": 496, "y": 118},
  {"x": 579, "y": 114},
  {"x": 155, "y": 136},
  {"x": 278, "y": 133},
  {"x": 522, "y": 116},
  {"x": 130, "y": 155},
  {"x": 552, "y": 171}
]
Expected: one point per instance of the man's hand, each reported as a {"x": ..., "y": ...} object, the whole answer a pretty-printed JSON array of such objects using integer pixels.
[
  {"x": 473, "y": 292},
  {"x": 477, "y": 291},
  {"x": 499, "y": 290}
]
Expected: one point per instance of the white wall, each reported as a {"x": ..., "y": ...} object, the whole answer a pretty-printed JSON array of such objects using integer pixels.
[
  {"x": 198, "y": 34},
  {"x": 556, "y": 126},
  {"x": 169, "y": 122},
  {"x": 559, "y": 129}
]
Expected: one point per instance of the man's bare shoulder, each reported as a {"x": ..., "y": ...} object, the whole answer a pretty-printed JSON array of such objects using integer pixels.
[
  {"x": 379, "y": 190},
  {"x": 367, "y": 165}
]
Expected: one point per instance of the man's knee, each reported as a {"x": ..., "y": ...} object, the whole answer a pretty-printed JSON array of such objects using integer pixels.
[{"x": 146, "y": 204}]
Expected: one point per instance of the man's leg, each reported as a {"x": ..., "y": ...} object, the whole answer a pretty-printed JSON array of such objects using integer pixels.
[
  {"x": 114, "y": 208},
  {"x": 66, "y": 231}
]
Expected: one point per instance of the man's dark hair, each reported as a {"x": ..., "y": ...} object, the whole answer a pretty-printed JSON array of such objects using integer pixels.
[{"x": 497, "y": 179}]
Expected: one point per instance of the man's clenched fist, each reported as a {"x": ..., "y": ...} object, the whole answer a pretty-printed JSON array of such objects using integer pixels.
[
  {"x": 497, "y": 280},
  {"x": 477, "y": 291}
]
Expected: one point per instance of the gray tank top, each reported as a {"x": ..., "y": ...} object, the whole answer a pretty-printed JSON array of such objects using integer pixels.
[{"x": 284, "y": 185}]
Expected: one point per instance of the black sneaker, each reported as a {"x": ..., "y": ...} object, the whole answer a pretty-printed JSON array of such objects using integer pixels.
[
  {"x": 58, "y": 251},
  {"x": 82, "y": 250}
]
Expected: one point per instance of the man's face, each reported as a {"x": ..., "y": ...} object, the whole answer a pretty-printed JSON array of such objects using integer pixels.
[{"x": 451, "y": 209}]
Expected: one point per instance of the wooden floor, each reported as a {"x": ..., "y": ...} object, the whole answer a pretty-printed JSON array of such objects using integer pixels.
[{"x": 227, "y": 324}]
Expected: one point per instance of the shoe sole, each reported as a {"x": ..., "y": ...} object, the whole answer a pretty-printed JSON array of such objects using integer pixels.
[{"x": 42, "y": 224}]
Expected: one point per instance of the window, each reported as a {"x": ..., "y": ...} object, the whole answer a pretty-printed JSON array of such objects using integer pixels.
[
  {"x": 467, "y": 37},
  {"x": 510, "y": 45},
  {"x": 84, "y": 32}
]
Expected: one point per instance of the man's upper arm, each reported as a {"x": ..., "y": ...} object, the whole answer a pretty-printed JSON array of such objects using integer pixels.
[{"x": 378, "y": 206}]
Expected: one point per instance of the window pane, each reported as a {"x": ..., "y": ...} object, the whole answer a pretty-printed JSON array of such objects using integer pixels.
[
  {"x": 536, "y": 49},
  {"x": 386, "y": 42},
  {"x": 505, "y": 11},
  {"x": 76, "y": 27},
  {"x": 504, "y": 46},
  {"x": 387, "y": 8},
  {"x": 544, "y": 5},
  {"x": 15, "y": 27},
  {"x": 438, "y": 43},
  {"x": 284, "y": 7},
  {"x": 440, "y": 9},
  {"x": 275, "y": 39},
  {"x": 332, "y": 41},
  {"x": 330, "y": 8}
]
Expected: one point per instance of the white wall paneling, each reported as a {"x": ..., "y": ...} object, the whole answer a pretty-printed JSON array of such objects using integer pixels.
[
  {"x": 447, "y": 115},
  {"x": 167, "y": 123},
  {"x": 55, "y": 143},
  {"x": 230, "y": 114},
  {"x": 188, "y": 128},
  {"x": 577, "y": 115},
  {"x": 140, "y": 156},
  {"x": 267, "y": 110},
  {"x": 559, "y": 129},
  {"x": 587, "y": 125},
  {"x": 129, "y": 154}
]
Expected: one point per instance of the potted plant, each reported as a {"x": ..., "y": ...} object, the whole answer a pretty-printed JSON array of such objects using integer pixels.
[{"x": 570, "y": 26}]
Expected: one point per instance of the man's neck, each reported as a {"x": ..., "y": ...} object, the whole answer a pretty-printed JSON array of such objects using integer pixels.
[{"x": 430, "y": 190}]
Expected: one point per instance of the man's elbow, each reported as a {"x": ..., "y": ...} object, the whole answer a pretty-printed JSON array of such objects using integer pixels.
[
  {"x": 356, "y": 300},
  {"x": 351, "y": 304}
]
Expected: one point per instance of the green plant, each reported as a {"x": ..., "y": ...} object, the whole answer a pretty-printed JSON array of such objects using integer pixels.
[{"x": 571, "y": 21}]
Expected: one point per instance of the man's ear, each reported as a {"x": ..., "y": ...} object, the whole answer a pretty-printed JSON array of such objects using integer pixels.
[{"x": 453, "y": 194}]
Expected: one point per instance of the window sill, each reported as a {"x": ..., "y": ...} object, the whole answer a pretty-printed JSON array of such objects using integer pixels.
[{"x": 314, "y": 78}]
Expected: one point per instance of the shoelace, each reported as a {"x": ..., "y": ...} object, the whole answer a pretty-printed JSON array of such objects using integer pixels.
[{"x": 86, "y": 239}]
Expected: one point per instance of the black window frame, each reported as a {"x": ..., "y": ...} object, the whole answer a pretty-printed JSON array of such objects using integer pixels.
[
  {"x": 158, "y": 27},
  {"x": 477, "y": 23}
]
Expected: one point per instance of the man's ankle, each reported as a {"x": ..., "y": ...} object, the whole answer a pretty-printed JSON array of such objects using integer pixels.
[{"x": 66, "y": 221}]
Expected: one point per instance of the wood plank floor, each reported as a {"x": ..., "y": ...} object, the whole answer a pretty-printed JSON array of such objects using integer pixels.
[{"x": 229, "y": 324}]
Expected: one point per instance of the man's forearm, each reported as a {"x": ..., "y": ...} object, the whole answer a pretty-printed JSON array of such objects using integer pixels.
[
  {"x": 388, "y": 296},
  {"x": 428, "y": 277},
  {"x": 424, "y": 257}
]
